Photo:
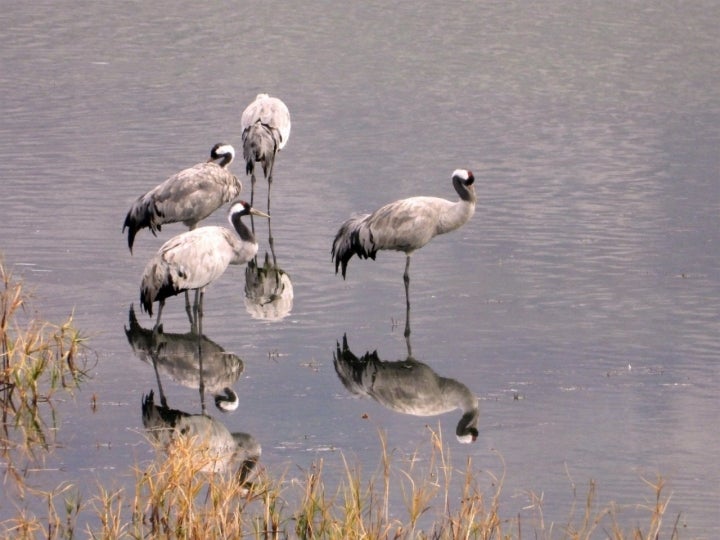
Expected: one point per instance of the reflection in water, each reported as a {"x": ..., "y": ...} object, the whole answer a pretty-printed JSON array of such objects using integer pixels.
[
  {"x": 189, "y": 359},
  {"x": 224, "y": 451},
  {"x": 407, "y": 386},
  {"x": 268, "y": 289}
]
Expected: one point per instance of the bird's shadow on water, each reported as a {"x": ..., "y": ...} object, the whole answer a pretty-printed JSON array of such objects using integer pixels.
[
  {"x": 190, "y": 359},
  {"x": 268, "y": 289},
  {"x": 407, "y": 386}
]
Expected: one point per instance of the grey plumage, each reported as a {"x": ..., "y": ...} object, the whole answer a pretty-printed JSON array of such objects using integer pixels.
[
  {"x": 215, "y": 448},
  {"x": 265, "y": 125},
  {"x": 196, "y": 258},
  {"x": 190, "y": 359},
  {"x": 405, "y": 225},
  {"x": 268, "y": 290},
  {"x": 407, "y": 386},
  {"x": 188, "y": 196}
]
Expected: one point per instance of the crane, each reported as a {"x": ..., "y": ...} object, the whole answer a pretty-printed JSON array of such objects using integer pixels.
[
  {"x": 405, "y": 225},
  {"x": 196, "y": 258},
  {"x": 265, "y": 125},
  {"x": 188, "y": 196}
]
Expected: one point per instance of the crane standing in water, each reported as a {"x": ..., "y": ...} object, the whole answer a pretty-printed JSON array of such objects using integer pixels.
[
  {"x": 405, "y": 225},
  {"x": 188, "y": 196},
  {"x": 265, "y": 125},
  {"x": 196, "y": 258}
]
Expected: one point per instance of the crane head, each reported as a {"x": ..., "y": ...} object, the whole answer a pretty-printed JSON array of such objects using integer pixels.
[{"x": 465, "y": 175}]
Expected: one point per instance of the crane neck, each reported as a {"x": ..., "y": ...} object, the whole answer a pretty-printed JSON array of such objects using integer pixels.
[
  {"x": 242, "y": 230},
  {"x": 467, "y": 403},
  {"x": 459, "y": 394},
  {"x": 466, "y": 192},
  {"x": 225, "y": 161}
]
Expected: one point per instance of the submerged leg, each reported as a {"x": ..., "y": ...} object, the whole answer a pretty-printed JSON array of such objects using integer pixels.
[{"x": 406, "y": 279}]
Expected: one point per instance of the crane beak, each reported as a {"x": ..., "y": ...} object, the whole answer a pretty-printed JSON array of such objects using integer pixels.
[{"x": 255, "y": 212}]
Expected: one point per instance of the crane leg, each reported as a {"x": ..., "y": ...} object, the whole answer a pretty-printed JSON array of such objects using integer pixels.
[
  {"x": 188, "y": 309},
  {"x": 252, "y": 187},
  {"x": 271, "y": 241},
  {"x": 160, "y": 308},
  {"x": 196, "y": 311},
  {"x": 270, "y": 179},
  {"x": 406, "y": 279},
  {"x": 252, "y": 198}
]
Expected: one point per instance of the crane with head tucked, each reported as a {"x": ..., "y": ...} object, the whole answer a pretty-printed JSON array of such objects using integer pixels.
[
  {"x": 188, "y": 196},
  {"x": 196, "y": 258},
  {"x": 265, "y": 125},
  {"x": 405, "y": 225}
]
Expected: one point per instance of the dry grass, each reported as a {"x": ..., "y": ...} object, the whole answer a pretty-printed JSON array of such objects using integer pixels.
[
  {"x": 174, "y": 498},
  {"x": 38, "y": 360}
]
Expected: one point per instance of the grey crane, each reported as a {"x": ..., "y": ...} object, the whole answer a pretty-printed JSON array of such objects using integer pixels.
[
  {"x": 196, "y": 258},
  {"x": 188, "y": 196},
  {"x": 215, "y": 449},
  {"x": 407, "y": 386},
  {"x": 265, "y": 125},
  {"x": 405, "y": 225}
]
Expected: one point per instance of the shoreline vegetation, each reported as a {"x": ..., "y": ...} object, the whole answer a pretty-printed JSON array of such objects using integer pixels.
[{"x": 174, "y": 498}]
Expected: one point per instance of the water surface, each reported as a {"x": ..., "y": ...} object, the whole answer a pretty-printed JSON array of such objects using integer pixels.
[{"x": 580, "y": 304}]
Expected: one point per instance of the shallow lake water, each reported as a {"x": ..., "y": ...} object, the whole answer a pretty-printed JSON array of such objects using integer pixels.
[{"x": 580, "y": 303}]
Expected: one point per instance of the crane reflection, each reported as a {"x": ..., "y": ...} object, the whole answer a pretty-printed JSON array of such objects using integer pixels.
[
  {"x": 407, "y": 386},
  {"x": 215, "y": 448},
  {"x": 190, "y": 359},
  {"x": 268, "y": 289}
]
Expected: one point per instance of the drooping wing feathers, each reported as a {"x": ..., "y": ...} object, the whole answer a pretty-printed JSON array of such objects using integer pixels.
[
  {"x": 259, "y": 144},
  {"x": 188, "y": 197},
  {"x": 353, "y": 238},
  {"x": 404, "y": 225}
]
